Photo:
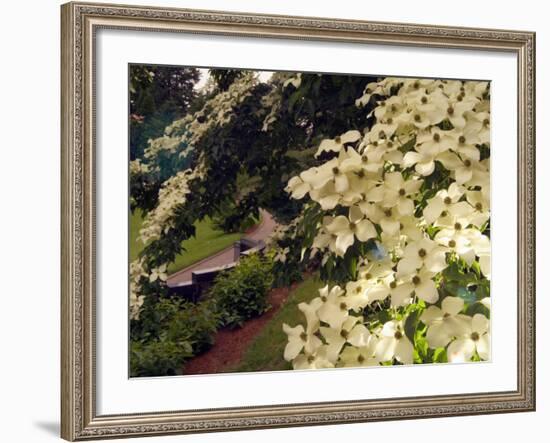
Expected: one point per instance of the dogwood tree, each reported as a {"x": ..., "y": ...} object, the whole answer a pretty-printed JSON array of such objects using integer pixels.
[{"x": 399, "y": 214}]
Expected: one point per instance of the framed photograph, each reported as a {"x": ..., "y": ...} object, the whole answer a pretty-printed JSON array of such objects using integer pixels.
[{"x": 282, "y": 221}]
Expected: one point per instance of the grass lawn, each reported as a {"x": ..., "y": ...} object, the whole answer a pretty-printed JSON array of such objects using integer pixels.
[
  {"x": 207, "y": 241},
  {"x": 266, "y": 350}
]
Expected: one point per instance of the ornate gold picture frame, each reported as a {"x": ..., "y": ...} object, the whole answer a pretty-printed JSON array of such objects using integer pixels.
[{"x": 80, "y": 22}]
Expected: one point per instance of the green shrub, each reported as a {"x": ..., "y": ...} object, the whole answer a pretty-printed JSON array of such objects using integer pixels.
[
  {"x": 241, "y": 293},
  {"x": 196, "y": 324},
  {"x": 158, "y": 357},
  {"x": 175, "y": 331}
]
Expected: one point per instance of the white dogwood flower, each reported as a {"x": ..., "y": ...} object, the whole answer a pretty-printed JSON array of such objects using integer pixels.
[
  {"x": 317, "y": 360},
  {"x": 442, "y": 201},
  {"x": 393, "y": 343},
  {"x": 475, "y": 338},
  {"x": 348, "y": 228},
  {"x": 397, "y": 192},
  {"x": 424, "y": 252},
  {"x": 419, "y": 283},
  {"x": 299, "y": 339},
  {"x": 352, "y": 331},
  {"x": 297, "y": 188},
  {"x": 444, "y": 323},
  {"x": 336, "y": 144},
  {"x": 422, "y": 158},
  {"x": 158, "y": 273},
  {"x": 353, "y": 356}
]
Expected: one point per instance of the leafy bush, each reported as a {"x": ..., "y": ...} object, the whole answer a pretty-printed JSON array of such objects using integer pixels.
[
  {"x": 241, "y": 293},
  {"x": 196, "y": 324},
  {"x": 158, "y": 357},
  {"x": 178, "y": 331}
]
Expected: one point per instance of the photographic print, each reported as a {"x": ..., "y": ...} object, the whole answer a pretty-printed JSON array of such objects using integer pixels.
[{"x": 294, "y": 220}]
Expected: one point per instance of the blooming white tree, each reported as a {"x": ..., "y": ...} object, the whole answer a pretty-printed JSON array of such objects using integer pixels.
[{"x": 404, "y": 214}]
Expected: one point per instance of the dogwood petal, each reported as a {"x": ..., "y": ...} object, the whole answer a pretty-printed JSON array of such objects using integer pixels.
[
  {"x": 359, "y": 336},
  {"x": 404, "y": 351},
  {"x": 461, "y": 350},
  {"x": 365, "y": 230},
  {"x": 425, "y": 168},
  {"x": 427, "y": 291},
  {"x": 436, "y": 261},
  {"x": 483, "y": 346},
  {"x": 480, "y": 324},
  {"x": 452, "y": 305},
  {"x": 343, "y": 241},
  {"x": 438, "y": 335}
]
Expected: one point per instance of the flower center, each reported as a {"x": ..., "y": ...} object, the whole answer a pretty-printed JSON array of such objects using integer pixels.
[
  {"x": 447, "y": 200},
  {"x": 393, "y": 108},
  {"x": 382, "y": 134},
  {"x": 343, "y": 306},
  {"x": 461, "y": 139},
  {"x": 303, "y": 336},
  {"x": 335, "y": 170},
  {"x": 422, "y": 252},
  {"x": 361, "y": 174},
  {"x": 417, "y": 117},
  {"x": 467, "y": 163},
  {"x": 450, "y": 110},
  {"x": 352, "y": 226},
  {"x": 310, "y": 359},
  {"x": 393, "y": 285},
  {"x": 416, "y": 85},
  {"x": 402, "y": 192},
  {"x": 424, "y": 99},
  {"x": 474, "y": 336},
  {"x": 452, "y": 243},
  {"x": 444, "y": 214},
  {"x": 390, "y": 121},
  {"x": 479, "y": 206},
  {"x": 360, "y": 358},
  {"x": 338, "y": 139},
  {"x": 368, "y": 275},
  {"x": 446, "y": 315},
  {"x": 344, "y": 333},
  {"x": 416, "y": 280},
  {"x": 458, "y": 226},
  {"x": 486, "y": 122},
  {"x": 398, "y": 335},
  {"x": 390, "y": 144},
  {"x": 388, "y": 212}
]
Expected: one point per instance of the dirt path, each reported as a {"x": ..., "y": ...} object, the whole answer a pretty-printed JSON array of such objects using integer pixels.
[
  {"x": 225, "y": 256},
  {"x": 231, "y": 344}
]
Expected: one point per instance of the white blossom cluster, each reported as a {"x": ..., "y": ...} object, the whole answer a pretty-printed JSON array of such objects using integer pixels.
[
  {"x": 188, "y": 131},
  {"x": 182, "y": 135},
  {"x": 372, "y": 189}
]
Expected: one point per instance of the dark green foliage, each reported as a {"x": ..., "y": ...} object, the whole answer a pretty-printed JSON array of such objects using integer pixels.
[
  {"x": 157, "y": 358},
  {"x": 170, "y": 332},
  {"x": 237, "y": 216},
  {"x": 225, "y": 77},
  {"x": 158, "y": 96},
  {"x": 241, "y": 293}
]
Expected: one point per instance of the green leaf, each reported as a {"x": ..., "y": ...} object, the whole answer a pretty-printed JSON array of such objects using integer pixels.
[
  {"x": 410, "y": 324},
  {"x": 440, "y": 355}
]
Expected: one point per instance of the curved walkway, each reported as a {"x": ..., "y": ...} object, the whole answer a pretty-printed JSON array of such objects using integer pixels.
[{"x": 225, "y": 256}]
